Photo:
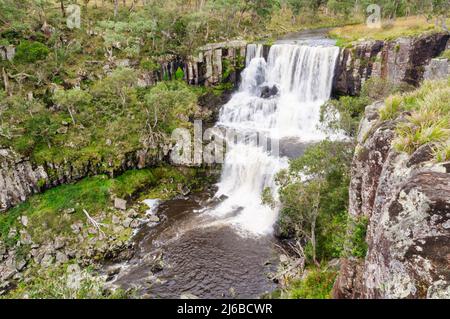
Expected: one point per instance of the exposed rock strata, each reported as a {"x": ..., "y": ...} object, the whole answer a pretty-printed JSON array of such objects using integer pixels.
[
  {"x": 400, "y": 60},
  {"x": 406, "y": 199},
  {"x": 20, "y": 177}
]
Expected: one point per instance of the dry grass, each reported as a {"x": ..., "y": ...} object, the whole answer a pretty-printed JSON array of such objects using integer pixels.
[{"x": 401, "y": 27}]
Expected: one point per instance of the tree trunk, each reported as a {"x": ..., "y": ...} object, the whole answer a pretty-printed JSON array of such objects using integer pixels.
[
  {"x": 116, "y": 7},
  {"x": 313, "y": 241},
  {"x": 5, "y": 81},
  {"x": 63, "y": 9}
]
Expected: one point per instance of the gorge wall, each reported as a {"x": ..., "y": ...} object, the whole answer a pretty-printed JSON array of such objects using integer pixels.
[
  {"x": 400, "y": 60},
  {"x": 405, "y": 59},
  {"x": 20, "y": 177},
  {"x": 406, "y": 199},
  {"x": 212, "y": 65}
]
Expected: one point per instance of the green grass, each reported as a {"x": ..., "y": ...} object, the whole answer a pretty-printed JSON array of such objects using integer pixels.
[
  {"x": 317, "y": 284},
  {"x": 446, "y": 54},
  {"x": 94, "y": 194},
  {"x": 45, "y": 211},
  {"x": 391, "y": 107},
  {"x": 358, "y": 242},
  {"x": 428, "y": 120},
  {"x": 65, "y": 281}
]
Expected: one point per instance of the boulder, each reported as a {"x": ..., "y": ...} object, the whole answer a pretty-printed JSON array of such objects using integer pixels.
[
  {"x": 24, "y": 221},
  {"x": 127, "y": 222},
  {"x": 153, "y": 219},
  {"x": 61, "y": 258},
  {"x": 437, "y": 69},
  {"x": 268, "y": 91},
  {"x": 120, "y": 204}
]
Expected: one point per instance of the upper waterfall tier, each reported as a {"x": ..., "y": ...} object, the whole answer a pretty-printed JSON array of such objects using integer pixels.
[
  {"x": 283, "y": 94},
  {"x": 277, "y": 98}
]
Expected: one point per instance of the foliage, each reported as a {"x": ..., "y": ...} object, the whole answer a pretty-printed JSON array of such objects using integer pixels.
[
  {"x": 317, "y": 284},
  {"x": 344, "y": 114},
  {"x": 314, "y": 198},
  {"x": 170, "y": 105},
  {"x": 358, "y": 244},
  {"x": 391, "y": 29},
  {"x": 67, "y": 281},
  {"x": 46, "y": 211},
  {"x": 429, "y": 117},
  {"x": 179, "y": 74},
  {"x": 71, "y": 99},
  {"x": 30, "y": 52},
  {"x": 120, "y": 83}
]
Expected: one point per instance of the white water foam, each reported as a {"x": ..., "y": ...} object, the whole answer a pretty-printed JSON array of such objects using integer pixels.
[{"x": 299, "y": 78}]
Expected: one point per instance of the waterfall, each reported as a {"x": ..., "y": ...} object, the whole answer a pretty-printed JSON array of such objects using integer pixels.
[
  {"x": 253, "y": 51},
  {"x": 278, "y": 98}
]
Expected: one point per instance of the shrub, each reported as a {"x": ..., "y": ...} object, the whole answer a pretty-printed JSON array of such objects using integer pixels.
[
  {"x": 179, "y": 74},
  {"x": 317, "y": 284},
  {"x": 314, "y": 194},
  {"x": 391, "y": 107},
  {"x": 358, "y": 237},
  {"x": 149, "y": 65},
  {"x": 30, "y": 52}
]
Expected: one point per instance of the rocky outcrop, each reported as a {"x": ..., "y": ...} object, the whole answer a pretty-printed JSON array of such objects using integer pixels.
[
  {"x": 20, "y": 177},
  {"x": 400, "y": 60},
  {"x": 214, "y": 64},
  {"x": 7, "y": 52},
  {"x": 406, "y": 199},
  {"x": 437, "y": 69}
]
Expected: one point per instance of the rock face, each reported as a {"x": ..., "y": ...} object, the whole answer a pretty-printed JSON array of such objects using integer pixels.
[
  {"x": 437, "y": 69},
  {"x": 213, "y": 64},
  {"x": 7, "y": 52},
  {"x": 406, "y": 199},
  {"x": 401, "y": 60},
  {"x": 20, "y": 177}
]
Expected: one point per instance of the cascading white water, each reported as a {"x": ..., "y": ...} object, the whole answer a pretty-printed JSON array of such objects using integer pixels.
[
  {"x": 253, "y": 51},
  {"x": 279, "y": 98}
]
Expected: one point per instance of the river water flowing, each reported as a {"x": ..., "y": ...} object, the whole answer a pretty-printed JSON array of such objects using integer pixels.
[{"x": 220, "y": 243}]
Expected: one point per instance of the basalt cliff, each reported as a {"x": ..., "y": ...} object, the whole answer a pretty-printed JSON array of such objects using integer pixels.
[{"x": 406, "y": 199}]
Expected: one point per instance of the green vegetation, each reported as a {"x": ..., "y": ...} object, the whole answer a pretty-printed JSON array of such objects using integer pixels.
[
  {"x": 313, "y": 194},
  {"x": 30, "y": 52},
  {"x": 46, "y": 211},
  {"x": 317, "y": 284},
  {"x": 429, "y": 119},
  {"x": 344, "y": 114},
  {"x": 75, "y": 97},
  {"x": 171, "y": 104},
  {"x": 446, "y": 54},
  {"x": 100, "y": 124},
  {"x": 66, "y": 281}
]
